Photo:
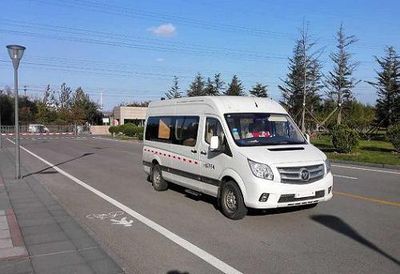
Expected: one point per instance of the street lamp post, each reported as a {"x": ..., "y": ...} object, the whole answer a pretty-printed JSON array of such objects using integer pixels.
[{"x": 16, "y": 52}]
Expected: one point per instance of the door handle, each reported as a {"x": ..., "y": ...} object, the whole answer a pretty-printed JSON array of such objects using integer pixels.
[
  {"x": 203, "y": 152},
  {"x": 193, "y": 151}
]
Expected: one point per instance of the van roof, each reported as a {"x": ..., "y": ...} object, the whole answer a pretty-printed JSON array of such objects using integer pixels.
[{"x": 225, "y": 104}]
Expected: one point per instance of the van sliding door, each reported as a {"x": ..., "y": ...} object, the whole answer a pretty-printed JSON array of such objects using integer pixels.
[{"x": 184, "y": 162}]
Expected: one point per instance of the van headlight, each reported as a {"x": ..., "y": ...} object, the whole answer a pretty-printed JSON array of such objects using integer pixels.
[
  {"x": 261, "y": 170},
  {"x": 327, "y": 166}
]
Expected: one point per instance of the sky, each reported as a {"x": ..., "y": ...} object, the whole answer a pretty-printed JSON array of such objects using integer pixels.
[{"x": 125, "y": 51}]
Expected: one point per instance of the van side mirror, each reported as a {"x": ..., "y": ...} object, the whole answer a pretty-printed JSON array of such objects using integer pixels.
[
  {"x": 307, "y": 137},
  {"x": 214, "y": 143}
]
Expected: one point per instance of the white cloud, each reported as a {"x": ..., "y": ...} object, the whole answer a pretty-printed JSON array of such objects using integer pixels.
[{"x": 165, "y": 30}]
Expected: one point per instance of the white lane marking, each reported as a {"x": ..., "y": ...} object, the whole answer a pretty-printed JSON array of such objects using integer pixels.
[
  {"x": 197, "y": 251},
  {"x": 368, "y": 169},
  {"x": 123, "y": 222},
  {"x": 345, "y": 177},
  {"x": 103, "y": 216}
]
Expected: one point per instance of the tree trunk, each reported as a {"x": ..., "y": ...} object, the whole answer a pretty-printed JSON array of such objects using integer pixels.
[{"x": 339, "y": 117}]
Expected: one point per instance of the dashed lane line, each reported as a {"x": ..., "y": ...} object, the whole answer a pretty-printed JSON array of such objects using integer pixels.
[
  {"x": 195, "y": 250},
  {"x": 368, "y": 169},
  {"x": 365, "y": 198},
  {"x": 345, "y": 177}
]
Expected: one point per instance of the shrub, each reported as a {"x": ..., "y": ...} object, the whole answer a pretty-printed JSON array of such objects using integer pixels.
[
  {"x": 344, "y": 139},
  {"x": 393, "y": 134},
  {"x": 129, "y": 130},
  {"x": 139, "y": 131},
  {"x": 112, "y": 130}
]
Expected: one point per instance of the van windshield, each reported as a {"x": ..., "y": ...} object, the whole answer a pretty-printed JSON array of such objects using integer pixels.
[{"x": 262, "y": 129}]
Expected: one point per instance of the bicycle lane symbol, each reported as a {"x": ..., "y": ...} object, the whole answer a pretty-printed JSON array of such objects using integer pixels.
[{"x": 112, "y": 216}]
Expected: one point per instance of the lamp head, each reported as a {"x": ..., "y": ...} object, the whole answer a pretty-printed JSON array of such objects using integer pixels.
[{"x": 16, "y": 52}]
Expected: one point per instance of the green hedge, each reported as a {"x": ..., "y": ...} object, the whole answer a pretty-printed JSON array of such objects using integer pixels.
[
  {"x": 344, "y": 139},
  {"x": 393, "y": 135},
  {"x": 130, "y": 130},
  {"x": 113, "y": 130}
]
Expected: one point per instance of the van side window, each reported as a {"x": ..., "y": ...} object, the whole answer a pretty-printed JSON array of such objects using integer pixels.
[
  {"x": 179, "y": 130},
  {"x": 214, "y": 128},
  {"x": 164, "y": 128},
  {"x": 185, "y": 130},
  {"x": 152, "y": 128}
]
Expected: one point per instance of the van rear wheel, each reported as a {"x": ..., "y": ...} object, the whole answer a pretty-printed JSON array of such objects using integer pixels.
[
  {"x": 232, "y": 202},
  {"x": 159, "y": 183}
]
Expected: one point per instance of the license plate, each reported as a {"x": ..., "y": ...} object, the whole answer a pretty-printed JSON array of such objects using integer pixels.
[{"x": 305, "y": 194}]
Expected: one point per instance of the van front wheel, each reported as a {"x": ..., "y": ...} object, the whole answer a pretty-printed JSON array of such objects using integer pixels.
[
  {"x": 232, "y": 203},
  {"x": 159, "y": 183}
]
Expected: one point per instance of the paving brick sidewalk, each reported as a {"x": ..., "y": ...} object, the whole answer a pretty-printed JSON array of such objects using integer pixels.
[{"x": 37, "y": 235}]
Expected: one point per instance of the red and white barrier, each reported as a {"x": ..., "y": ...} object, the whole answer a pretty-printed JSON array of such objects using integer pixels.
[{"x": 39, "y": 134}]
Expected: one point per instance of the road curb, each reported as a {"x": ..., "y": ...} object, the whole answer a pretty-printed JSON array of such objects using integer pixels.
[
  {"x": 11, "y": 233},
  {"x": 117, "y": 140},
  {"x": 366, "y": 164}
]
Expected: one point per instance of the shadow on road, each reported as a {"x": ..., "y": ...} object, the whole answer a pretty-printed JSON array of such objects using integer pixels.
[
  {"x": 204, "y": 198},
  {"x": 47, "y": 171},
  {"x": 281, "y": 210},
  {"x": 340, "y": 226},
  {"x": 252, "y": 212}
]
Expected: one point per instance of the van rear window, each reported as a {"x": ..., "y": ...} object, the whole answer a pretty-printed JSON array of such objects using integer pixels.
[{"x": 179, "y": 130}]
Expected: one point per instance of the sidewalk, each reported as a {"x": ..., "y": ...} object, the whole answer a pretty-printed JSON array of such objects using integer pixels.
[{"x": 37, "y": 235}]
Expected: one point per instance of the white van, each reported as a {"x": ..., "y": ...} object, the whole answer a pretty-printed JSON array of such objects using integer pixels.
[
  {"x": 37, "y": 128},
  {"x": 245, "y": 151}
]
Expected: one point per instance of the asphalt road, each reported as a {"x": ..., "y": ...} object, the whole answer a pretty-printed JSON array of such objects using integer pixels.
[{"x": 356, "y": 232}]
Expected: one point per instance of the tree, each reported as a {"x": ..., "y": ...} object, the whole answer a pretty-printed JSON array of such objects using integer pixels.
[
  {"x": 360, "y": 117},
  {"x": 64, "y": 99},
  {"x": 196, "y": 88},
  {"x": 209, "y": 89},
  {"x": 27, "y": 110},
  {"x": 46, "y": 107},
  {"x": 300, "y": 90},
  {"x": 340, "y": 80},
  {"x": 259, "y": 90},
  {"x": 78, "y": 106},
  {"x": 219, "y": 84},
  {"x": 6, "y": 108},
  {"x": 64, "y": 104},
  {"x": 83, "y": 109},
  {"x": 235, "y": 87},
  {"x": 388, "y": 88},
  {"x": 136, "y": 104},
  {"x": 174, "y": 92}
]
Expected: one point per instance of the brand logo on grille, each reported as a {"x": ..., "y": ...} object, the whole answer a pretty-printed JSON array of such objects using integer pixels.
[{"x": 304, "y": 174}]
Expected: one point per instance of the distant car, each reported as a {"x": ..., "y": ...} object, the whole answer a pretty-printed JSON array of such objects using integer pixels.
[{"x": 37, "y": 128}]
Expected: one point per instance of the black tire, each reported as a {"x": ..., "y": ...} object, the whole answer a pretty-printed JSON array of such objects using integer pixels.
[
  {"x": 231, "y": 201},
  {"x": 157, "y": 180}
]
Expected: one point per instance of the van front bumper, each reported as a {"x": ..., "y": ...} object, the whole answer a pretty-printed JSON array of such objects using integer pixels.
[{"x": 285, "y": 195}]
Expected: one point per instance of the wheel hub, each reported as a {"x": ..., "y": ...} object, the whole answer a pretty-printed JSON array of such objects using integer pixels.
[{"x": 231, "y": 200}]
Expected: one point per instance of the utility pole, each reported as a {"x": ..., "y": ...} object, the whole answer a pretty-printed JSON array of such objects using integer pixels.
[
  {"x": 101, "y": 100},
  {"x": 25, "y": 90}
]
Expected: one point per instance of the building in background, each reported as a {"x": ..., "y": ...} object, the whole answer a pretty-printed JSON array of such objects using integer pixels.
[{"x": 135, "y": 115}]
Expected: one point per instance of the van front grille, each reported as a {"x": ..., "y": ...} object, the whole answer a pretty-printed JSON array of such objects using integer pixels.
[{"x": 293, "y": 175}]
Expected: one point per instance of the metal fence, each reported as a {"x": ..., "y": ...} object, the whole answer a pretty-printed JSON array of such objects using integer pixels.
[{"x": 52, "y": 129}]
